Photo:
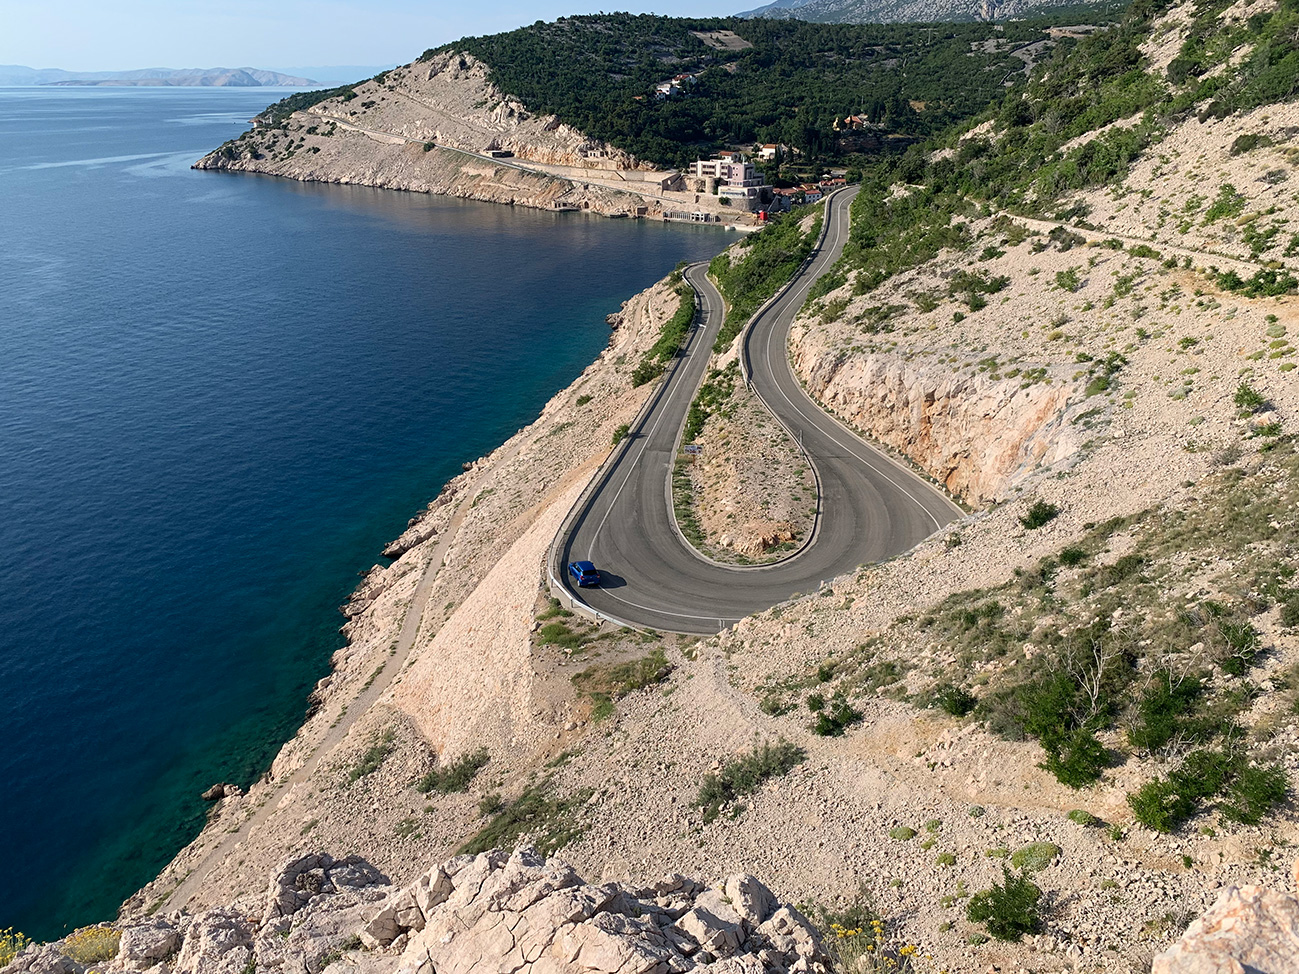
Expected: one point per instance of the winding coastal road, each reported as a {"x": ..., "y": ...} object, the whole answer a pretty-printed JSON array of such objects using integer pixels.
[{"x": 871, "y": 507}]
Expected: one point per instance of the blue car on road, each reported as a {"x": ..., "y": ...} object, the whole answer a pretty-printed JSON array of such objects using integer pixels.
[{"x": 584, "y": 574}]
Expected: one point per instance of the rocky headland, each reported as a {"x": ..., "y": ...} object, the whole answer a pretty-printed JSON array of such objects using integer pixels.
[{"x": 440, "y": 126}]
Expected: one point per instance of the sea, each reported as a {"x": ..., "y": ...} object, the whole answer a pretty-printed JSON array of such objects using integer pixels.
[{"x": 220, "y": 396}]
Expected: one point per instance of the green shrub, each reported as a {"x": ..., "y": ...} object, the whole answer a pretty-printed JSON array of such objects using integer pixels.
[
  {"x": 1034, "y": 857},
  {"x": 1075, "y": 757},
  {"x": 713, "y": 394},
  {"x": 1247, "y": 397},
  {"x": 1008, "y": 909},
  {"x": 767, "y": 260},
  {"x": 620, "y": 433},
  {"x": 670, "y": 339},
  {"x": 1246, "y": 793},
  {"x": 1070, "y": 557},
  {"x": 974, "y": 286},
  {"x": 1107, "y": 576},
  {"x": 550, "y": 822},
  {"x": 490, "y": 804},
  {"x": 1266, "y": 283},
  {"x": 1084, "y": 818},
  {"x": 946, "y": 859},
  {"x": 1242, "y": 646},
  {"x": 955, "y": 700},
  {"x": 373, "y": 757},
  {"x": 1254, "y": 792},
  {"x": 744, "y": 775},
  {"x": 1158, "y": 805},
  {"x": 1097, "y": 385},
  {"x": 837, "y": 718},
  {"x": 1162, "y": 710},
  {"x": 1068, "y": 280},
  {"x": 1041, "y": 513},
  {"x": 455, "y": 776},
  {"x": 1048, "y": 708},
  {"x": 1228, "y": 203},
  {"x": 902, "y": 833}
]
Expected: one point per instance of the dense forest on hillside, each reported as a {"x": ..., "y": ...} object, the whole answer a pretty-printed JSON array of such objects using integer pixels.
[{"x": 598, "y": 73}]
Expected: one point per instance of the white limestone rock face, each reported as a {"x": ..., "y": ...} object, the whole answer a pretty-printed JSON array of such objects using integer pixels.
[
  {"x": 44, "y": 959},
  {"x": 219, "y": 941},
  {"x": 524, "y": 914},
  {"x": 1249, "y": 928},
  {"x": 493, "y": 913},
  {"x": 318, "y": 933},
  {"x": 299, "y": 879},
  {"x": 144, "y": 945}
]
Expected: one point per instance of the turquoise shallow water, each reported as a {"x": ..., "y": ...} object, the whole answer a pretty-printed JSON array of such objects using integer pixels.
[{"x": 220, "y": 396}]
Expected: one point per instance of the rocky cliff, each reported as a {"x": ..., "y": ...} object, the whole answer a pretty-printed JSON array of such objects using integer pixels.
[{"x": 976, "y": 436}]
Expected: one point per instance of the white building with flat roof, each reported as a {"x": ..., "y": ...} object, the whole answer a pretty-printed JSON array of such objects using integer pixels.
[{"x": 733, "y": 178}]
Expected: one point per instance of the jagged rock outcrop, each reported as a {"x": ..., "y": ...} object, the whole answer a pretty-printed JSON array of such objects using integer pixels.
[
  {"x": 489, "y": 913},
  {"x": 1249, "y": 928},
  {"x": 977, "y": 436},
  {"x": 520, "y": 913}
]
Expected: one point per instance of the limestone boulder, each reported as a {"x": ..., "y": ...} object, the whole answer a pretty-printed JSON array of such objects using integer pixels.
[
  {"x": 218, "y": 941},
  {"x": 524, "y": 914},
  {"x": 319, "y": 933},
  {"x": 302, "y": 877},
  {"x": 145, "y": 944},
  {"x": 44, "y": 959},
  {"x": 1248, "y": 929},
  {"x": 750, "y": 899}
]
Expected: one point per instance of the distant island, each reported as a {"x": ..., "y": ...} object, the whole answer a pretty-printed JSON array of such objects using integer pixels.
[{"x": 22, "y": 76}]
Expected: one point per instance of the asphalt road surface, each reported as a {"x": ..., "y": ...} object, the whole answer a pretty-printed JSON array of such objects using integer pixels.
[{"x": 871, "y": 507}]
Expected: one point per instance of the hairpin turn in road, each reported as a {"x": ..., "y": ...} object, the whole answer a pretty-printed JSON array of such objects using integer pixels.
[{"x": 870, "y": 507}]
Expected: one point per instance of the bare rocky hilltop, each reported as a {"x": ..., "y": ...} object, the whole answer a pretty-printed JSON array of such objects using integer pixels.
[{"x": 1069, "y": 720}]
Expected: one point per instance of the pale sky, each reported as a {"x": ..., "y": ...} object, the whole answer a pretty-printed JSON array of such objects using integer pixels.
[{"x": 94, "y": 35}]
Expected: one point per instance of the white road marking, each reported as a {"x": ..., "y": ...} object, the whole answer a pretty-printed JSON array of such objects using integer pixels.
[{"x": 663, "y": 410}]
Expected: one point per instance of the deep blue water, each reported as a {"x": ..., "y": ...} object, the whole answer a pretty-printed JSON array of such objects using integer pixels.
[{"x": 220, "y": 395}]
